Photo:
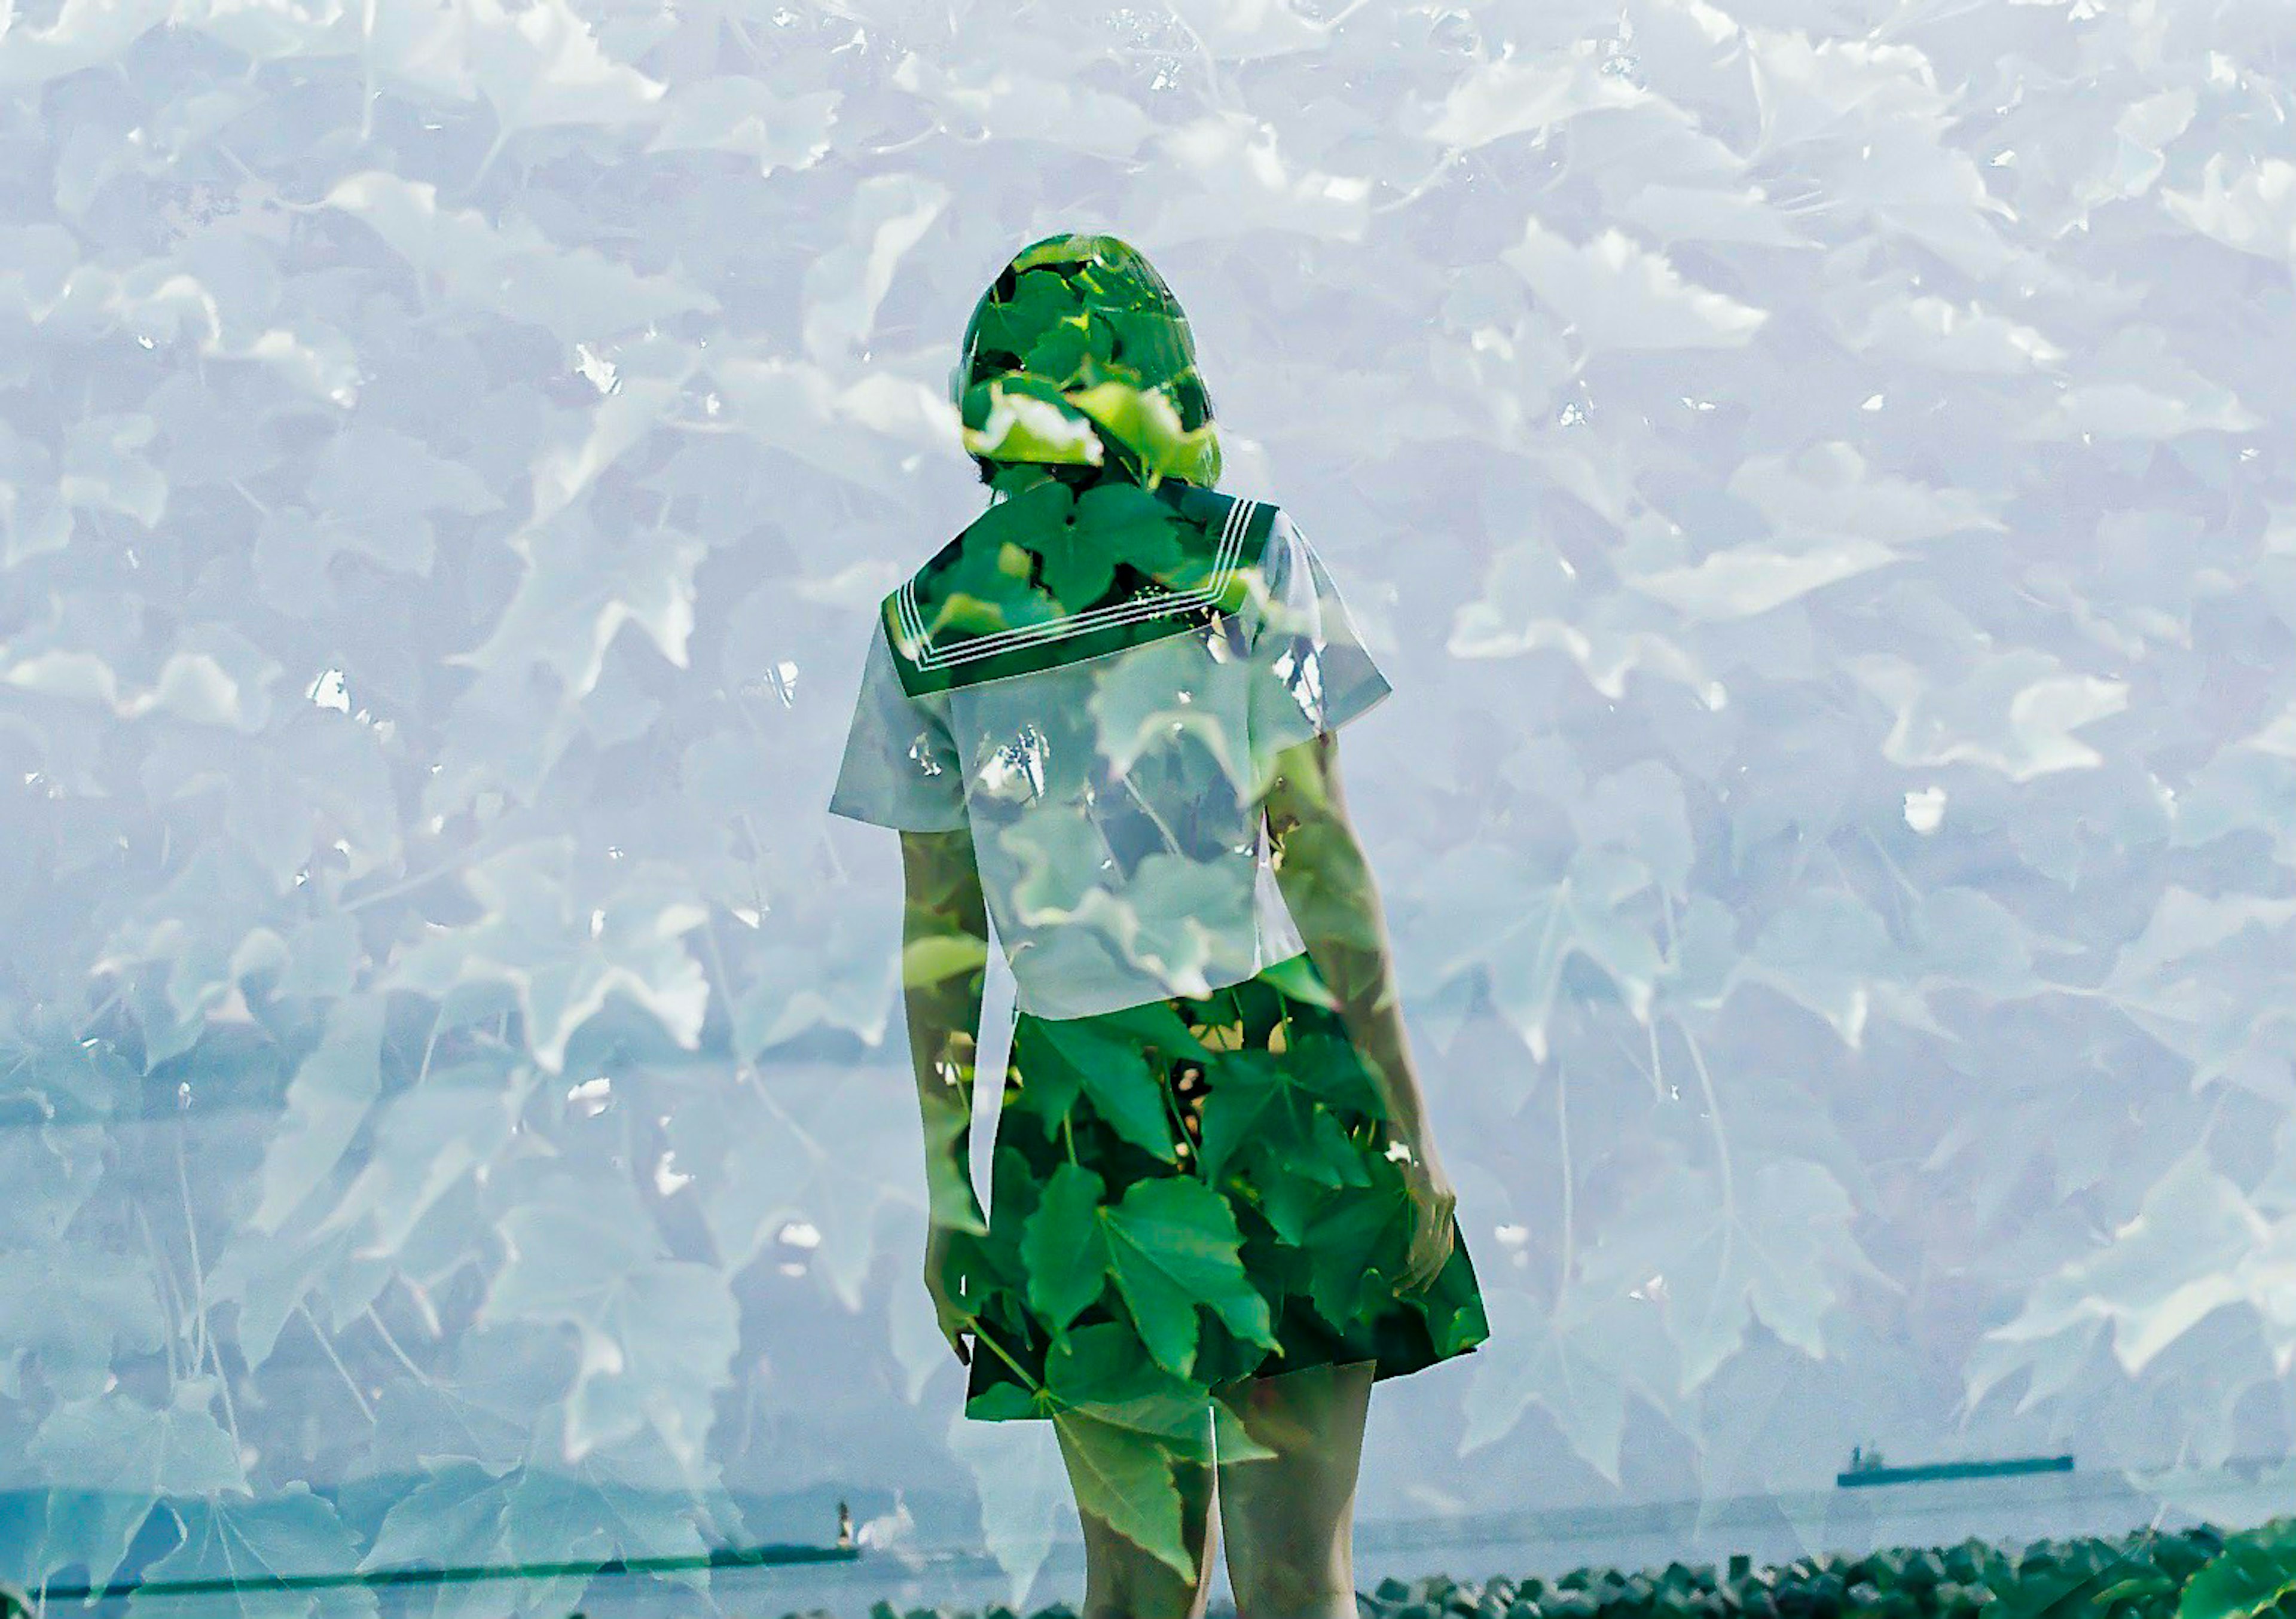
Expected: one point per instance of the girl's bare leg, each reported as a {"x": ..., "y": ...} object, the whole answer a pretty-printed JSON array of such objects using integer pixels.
[
  {"x": 1290, "y": 1518},
  {"x": 1122, "y": 1581}
]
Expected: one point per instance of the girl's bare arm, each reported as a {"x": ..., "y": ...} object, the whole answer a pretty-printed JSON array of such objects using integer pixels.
[
  {"x": 944, "y": 959},
  {"x": 1327, "y": 885}
]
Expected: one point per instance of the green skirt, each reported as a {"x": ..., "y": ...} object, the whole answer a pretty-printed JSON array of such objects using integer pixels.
[{"x": 1195, "y": 1192}]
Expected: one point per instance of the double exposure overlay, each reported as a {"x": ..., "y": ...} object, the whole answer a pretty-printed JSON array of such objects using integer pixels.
[
  {"x": 1081, "y": 712},
  {"x": 1786, "y": 508}
]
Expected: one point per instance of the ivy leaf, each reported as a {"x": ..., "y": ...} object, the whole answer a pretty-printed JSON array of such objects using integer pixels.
[
  {"x": 587, "y": 1514},
  {"x": 832, "y": 971},
  {"x": 71, "y": 1307},
  {"x": 1535, "y": 599},
  {"x": 513, "y": 271},
  {"x": 1156, "y": 1026},
  {"x": 2196, "y": 1244},
  {"x": 1618, "y": 295},
  {"x": 1493, "y": 910},
  {"x": 1146, "y": 422},
  {"x": 242, "y": 1542},
  {"x": 1299, "y": 979},
  {"x": 1058, "y": 855},
  {"x": 1769, "y": 1242},
  {"x": 1258, "y": 1110},
  {"x": 371, "y": 490},
  {"x": 1100, "y": 1368},
  {"x": 580, "y": 589},
  {"x": 788, "y": 130},
  {"x": 1566, "y": 1360},
  {"x": 928, "y": 961},
  {"x": 45, "y": 1061},
  {"x": 1357, "y": 1244},
  {"x": 1113, "y": 1071},
  {"x": 1141, "y": 716},
  {"x": 1110, "y": 523},
  {"x": 427, "y": 1139},
  {"x": 104, "y": 470},
  {"x": 1829, "y": 950},
  {"x": 563, "y": 966},
  {"x": 1062, "y": 1248},
  {"x": 453, "y": 1519},
  {"x": 1125, "y": 1485},
  {"x": 2013, "y": 712},
  {"x": 823, "y": 1142},
  {"x": 121, "y": 1457},
  {"x": 214, "y": 676},
  {"x": 657, "y": 1335},
  {"x": 1027, "y": 1501},
  {"x": 1043, "y": 300},
  {"x": 536, "y": 67},
  {"x": 1013, "y": 419},
  {"x": 1176, "y": 913},
  {"x": 1173, "y": 1245},
  {"x": 989, "y": 588},
  {"x": 266, "y": 1275},
  {"x": 2250, "y": 1575},
  {"x": 1060, "y": 351},
  {"x": 1288, "y": 1203},
  {"x": 327, "y": 1100},
  {"x": 1246, "y": 1098},
  {"x": 888, "y": 214}
]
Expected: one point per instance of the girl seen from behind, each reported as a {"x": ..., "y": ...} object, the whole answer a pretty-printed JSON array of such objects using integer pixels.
[{"x": 1104, "y": 715}]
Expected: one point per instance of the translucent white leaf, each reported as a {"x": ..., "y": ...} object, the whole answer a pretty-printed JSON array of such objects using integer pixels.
[
  {"x": 511, "y": 270},
  {"x": 744, "y": 115},
  {"x": 891, "y": 214},
  {"x": 2253, "y": 211},
  {"x": 1496, "y": 99},
  {"x": 2013, "y": 712}
]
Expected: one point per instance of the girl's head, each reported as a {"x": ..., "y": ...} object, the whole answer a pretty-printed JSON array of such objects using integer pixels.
[{"x": 1077, "y": 355}]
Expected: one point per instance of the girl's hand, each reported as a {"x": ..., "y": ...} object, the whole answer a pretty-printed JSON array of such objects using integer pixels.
[
  {"x": 946, "y": 1280},
  {"x": 1433, "y": 1203}
]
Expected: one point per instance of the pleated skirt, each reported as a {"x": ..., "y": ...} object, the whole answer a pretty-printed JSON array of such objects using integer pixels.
[{"x": 1192, "y": 1193}]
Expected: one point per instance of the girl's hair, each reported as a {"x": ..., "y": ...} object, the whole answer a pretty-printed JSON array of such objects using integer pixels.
[{"x": 1024, "y": 331}]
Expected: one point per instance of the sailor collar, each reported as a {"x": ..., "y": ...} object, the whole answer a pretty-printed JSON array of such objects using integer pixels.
[{"x": 976, "y": 611}]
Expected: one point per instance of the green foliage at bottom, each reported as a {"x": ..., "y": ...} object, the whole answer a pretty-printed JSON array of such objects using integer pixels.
[{"x": 2199, "y": 1572}]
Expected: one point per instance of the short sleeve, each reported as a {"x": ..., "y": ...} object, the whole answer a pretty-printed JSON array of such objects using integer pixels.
[
  {"x": 1310, "y": 670},
  {"x": 901, "y": 767}
]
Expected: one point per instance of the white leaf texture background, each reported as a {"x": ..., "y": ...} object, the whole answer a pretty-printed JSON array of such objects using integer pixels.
[{"x": 1818, "y": 473}]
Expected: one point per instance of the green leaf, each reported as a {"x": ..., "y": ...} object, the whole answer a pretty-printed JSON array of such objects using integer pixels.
[
  {"x": 1249, "y": 1100},
  {"x": 1567, "y": 1361},
  {"x": 1009, "y": 420},
  {"x": 527, "y": 934},
  {"x": 926, "y": 962},
  {"x": 1063, "y": 1248},
  {"x": 511, "y": 270},
  {"x": 1108, "y": 524},
  {"x": 1125, "y": 1485},
  {"x": 1356, "y": 1245},
  {"x": 1156, "y": 1026},
  {"x": 1115, "y": 1073},
  {"x": 1101, "y": 1368},
  {"x": 1146, "y": 421},
  {"x": 1289, "y": 1204},
  {"x": 1298, "y": 977},
  {"x": 1173, "y": 1245}
]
